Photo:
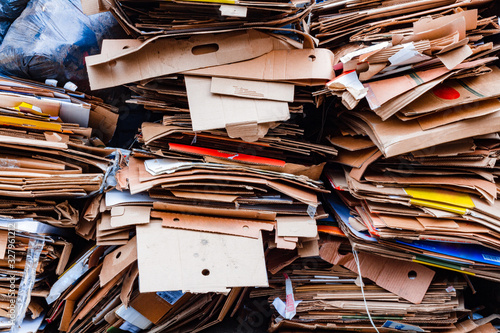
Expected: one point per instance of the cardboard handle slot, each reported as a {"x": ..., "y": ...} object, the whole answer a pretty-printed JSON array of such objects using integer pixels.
[{"x": 205, "y": 49}]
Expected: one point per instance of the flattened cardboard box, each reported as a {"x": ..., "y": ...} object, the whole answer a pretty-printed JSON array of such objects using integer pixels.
[
  {"x": 162, "y": 56},
  {"x": 210, "y": 111},
  {"x": 301, "y": 65},
  {"x": 197, "y": 261},
  {"x": 275, "y": 91}
]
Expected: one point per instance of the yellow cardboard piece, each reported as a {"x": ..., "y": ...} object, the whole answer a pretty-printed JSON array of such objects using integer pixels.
[
  {"x": 438, "y": 205},
  {"x": 35, "y": 124},
  {"x": 441, "y": 196}
]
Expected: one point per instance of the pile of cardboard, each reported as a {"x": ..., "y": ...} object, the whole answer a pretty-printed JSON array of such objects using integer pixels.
[
  {"x": 352, "y": 185},
  {"x": 48, "y": 165},
  {"x": 415, "y": 187},
  {"x": 47, "y": 154},
  {"x": 150, "y": 18},
  {"x": 330, "y": 296}
]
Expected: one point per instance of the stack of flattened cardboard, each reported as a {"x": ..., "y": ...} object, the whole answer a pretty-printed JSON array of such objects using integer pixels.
[
  {"x": 150, "y": 18},
  {"x": 419, "y": 161},
  {"x": 218, "y": 210},
  {"x": 34, "y": 168},
  {"x": 47, "y": 163},
  {"x": 116, "y": 284},
  {"x": 238, "y": 84},
  {"x": 204, "y": 251},
  {"x": 225, "y": 193},
  {"x": 46, "y": 156},
  {"x": 31, "y": 108},
  {"x": 415, "y": 61},
  {"x": 106, "y": 296},
  {"x": 415, "y": 178},
  {"x": 336, "y": 21},
  {"x": 330, "y": 296}
]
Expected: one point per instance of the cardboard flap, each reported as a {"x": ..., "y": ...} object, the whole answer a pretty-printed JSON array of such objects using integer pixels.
[
  {"x": 296, "y": 226},
  {"x": 118, "y": 260},
  {"x": 197, "y": 261},
  {"x": 275, "y": 91},
  {"x": 122, "y": 216},
  {"x": 406, "y": 279},
  {"x": 91, "y": 7},
  {"x": 278, "y": 65},
  {"x": 210, "y": 111},
  {"x": 75, "y": 294},
  {"x": 159, "y": 56},
  {"x": 237, "y": 227},
  {"x": 151, "y": 306}
]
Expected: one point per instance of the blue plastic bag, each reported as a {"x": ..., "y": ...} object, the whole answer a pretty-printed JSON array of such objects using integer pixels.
[
  {"x": 51, "y": 39},
  {"x": 9, "y": 11}
]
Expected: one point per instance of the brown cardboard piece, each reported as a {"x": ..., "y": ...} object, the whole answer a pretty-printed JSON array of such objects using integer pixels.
[
  {"x": 351, "y": 143},
  {"x": 95, "y": 299},
  {"x": 285, "y": 243},
  {"x": 231, "y": 299},
  {"x": 123, "y": 216},
  {"x": 296, "y": 226},
  {"x": 214, "y": 211},
  {"x": 228, "y": 198},
  {"x": 275, "y": 91},
  {"x": 437, "y": 30},
  {"x": 118, "y": 260},
  {"x": 406, "y": 279},
  {"x": 229, "y": 226},
  {"x": 378, "y": 92},
  {"x": 128, "y": 284},
  {"x": 75, "y": 294},
  {"x": 308, "y": 249},
  {"x": 467, "y": 91},
  {"x": 152, "y": 306},
  {"x": 466, "y": 111},
  {"x": 162, "y": 56},
  {"x": 197, "y": 261},
  {"x": 427, "y": 23},
  {"x": 301, "y": 65},
  {"x": 3, "y": 243},
  {"x": 406, "y": 88},
  {"x": 211, "y": 111},
  {"x": 103, "y": 122},
  {"x": 454, "y": 57},
  {"x": 64, "y": 258},
  {"x": 356, "y": 158},
  {"x": 395, "y": 137}
]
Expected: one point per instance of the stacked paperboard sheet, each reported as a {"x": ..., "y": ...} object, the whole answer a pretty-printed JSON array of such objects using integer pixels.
[
  {"x": 353, "y": 186},
  {"x": 330, "y": 297}
]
